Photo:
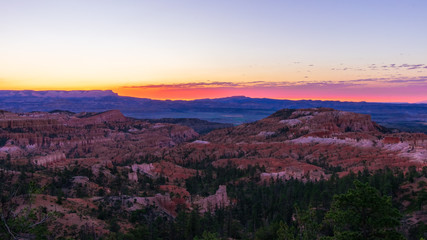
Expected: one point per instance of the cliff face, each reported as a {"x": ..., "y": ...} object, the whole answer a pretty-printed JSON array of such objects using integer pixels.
[
  {"x": 218, "y": 200},
  {"x": 290, "y": 124},
  {"x": 113, "y": 116},
  {"x": 307, "y": 144},
  {"x": 49, "y": 138}
]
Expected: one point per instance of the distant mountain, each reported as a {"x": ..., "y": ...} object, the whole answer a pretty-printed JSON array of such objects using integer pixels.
[
  {"x": 234, "y": 110},
  {"x": 58, "y": 94}
]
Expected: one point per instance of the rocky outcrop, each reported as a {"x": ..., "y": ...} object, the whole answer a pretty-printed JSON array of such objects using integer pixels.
[
  {"x": 104, "y": 136},
  {"x": 218, "y": 200},
  {"x": 145, "y": 168},
  {"x": 133, "y": 176},
  {"x": 176, "y": 191},
  {"x": 27, "y": 123},
  {"x": 294, "y": 173},
  {"x": 162, "y": 202},
  {"x": 48, "y": 159},
  {"x": 320, "y": 139},
  {"x": 165, "y": 169},
  {"x": 99, "y": 118},
  {"x": 290, "y": 124}
]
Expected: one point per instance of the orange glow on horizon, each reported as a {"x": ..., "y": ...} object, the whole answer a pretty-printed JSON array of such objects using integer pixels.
[
  {"x": 211, "y": 93},
  {"x": 181, "y": 49},
  {"x": 411, "y": 90}
]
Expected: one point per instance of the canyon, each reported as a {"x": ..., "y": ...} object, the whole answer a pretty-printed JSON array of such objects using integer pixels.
[{"x": 107, "y": 159}]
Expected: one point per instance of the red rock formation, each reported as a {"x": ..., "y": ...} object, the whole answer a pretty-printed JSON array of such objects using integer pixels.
[
  {"x": 112, "y": 116},
  {"x": 163, "y": 202},
  {"x": 178, "y": 192},
  {"x": 306, "y": 144},
  {"x": 314, "y": 138},
  {"x": 391, "y": 140},
  {"x": 218, "y": 200},
  {"x": 107, "y": 136}
]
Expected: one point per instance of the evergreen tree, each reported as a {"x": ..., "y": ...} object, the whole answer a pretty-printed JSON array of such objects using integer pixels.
[{"x": 362, "y": 213}]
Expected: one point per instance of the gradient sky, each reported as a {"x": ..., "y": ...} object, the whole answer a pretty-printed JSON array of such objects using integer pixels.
[{"x": 337, "y": 50}]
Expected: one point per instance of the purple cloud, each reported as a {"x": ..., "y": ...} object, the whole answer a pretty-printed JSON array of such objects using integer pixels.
[
  {"x": 188, "y": 85},
  {"x": 394, "y": 66},
  {"x": 385, "y": 82}
]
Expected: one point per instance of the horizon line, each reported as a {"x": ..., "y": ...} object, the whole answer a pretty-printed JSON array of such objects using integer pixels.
[{"x": 209, "y": 98}]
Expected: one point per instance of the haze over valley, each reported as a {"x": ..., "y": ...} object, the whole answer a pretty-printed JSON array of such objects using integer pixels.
[{"x": 231, "y": 110}]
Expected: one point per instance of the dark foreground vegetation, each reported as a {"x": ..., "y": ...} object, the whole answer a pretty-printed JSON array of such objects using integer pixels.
[
  {"x": 357, "y": 206},
  {"x": 360, "y": 205}
]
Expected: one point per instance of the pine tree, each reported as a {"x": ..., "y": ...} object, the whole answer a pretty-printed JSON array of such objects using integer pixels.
[{"x": 362, "y": 213}]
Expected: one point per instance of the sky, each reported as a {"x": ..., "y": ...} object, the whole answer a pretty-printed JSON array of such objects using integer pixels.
[{"x": 329, "y": 50}]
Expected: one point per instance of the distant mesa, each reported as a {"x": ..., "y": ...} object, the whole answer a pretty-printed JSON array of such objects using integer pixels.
[
  {"x": 59, "y": 94},
  {"x": 231, "y": 110}
]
